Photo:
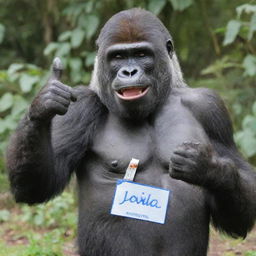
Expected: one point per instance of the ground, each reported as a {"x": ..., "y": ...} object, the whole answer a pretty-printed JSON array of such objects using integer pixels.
[{"x": 221, "y": 245}]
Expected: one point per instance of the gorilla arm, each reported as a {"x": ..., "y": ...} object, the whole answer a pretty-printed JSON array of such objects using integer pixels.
[
  {"x": 42, "y": 155},
  {"x": 228, "y": 179}
]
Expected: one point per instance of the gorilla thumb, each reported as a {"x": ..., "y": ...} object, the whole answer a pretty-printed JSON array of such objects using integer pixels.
[{"x": 57, "y": 69}]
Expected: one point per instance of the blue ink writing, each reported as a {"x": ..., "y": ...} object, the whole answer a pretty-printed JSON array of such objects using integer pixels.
[{"x": 143, "y": 199}]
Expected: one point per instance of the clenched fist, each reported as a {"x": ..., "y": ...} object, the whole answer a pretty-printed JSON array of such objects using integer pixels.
[{"x": 54, "y": 98}]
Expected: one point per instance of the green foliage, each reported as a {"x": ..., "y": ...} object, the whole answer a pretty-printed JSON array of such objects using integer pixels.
[
  {"x": 181, "y": 5},
  {"x": 239, "y": 25},
  {"x": 17, "y": 85},
  {"x": 58, "y": 212},
  {"x": 48, "y": 244},
  {"x": 233, "y": 28},
  {"x": 250, "y": 253},
  {"x": 5, "y": 215},
  {"x": 2, "y": 32},
  {"x": 246, "y": 138},
  {"x": 249, "y": 65},
  {"x": 40, "y": 230},
  {"x": 156, "y": 6}
]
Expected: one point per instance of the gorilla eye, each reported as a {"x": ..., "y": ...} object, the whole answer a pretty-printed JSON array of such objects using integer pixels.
[
  {"x": 118, "y": 56},
  {"x": 140, "y": 54}
]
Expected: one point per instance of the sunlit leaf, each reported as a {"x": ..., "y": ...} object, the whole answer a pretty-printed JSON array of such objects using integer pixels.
[
  {"x": 2, "y": 32},
  {"x": 180, "y": 5},
  {"x": 254, "y": 108},
  {"x": 248, "y": 143},
  {"x": 6, "y": 102},
  {"x": 249, "y": 65},
  {"x": 10, "y": 123},
  {"x": 76, "y": 67},
  {"x": 248, "y": 122},
  {"x": 27, "y": 81},
  {"x": 19, "y": 106},
  {"x": 13, "y": 68},
  {"x": 247, "y": 8},
  {"x": 65, "y": 36},
  {"x": 90, "y": 59},
  {"x": 63, "y": 49},
  {"x": 5, "y": 215},
  {"x": 156, "y": 6},
  {"x": 92, "y": 23},
  {"x": 77, "y": 37},
  {"x": 237, "y": 108},
  {"x": 252, "y": 27},
  {"x": 233, "y": 28},
  {"x": 51, "y": 47}
]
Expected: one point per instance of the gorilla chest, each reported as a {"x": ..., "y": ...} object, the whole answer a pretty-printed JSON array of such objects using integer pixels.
[{"x": 152, "y": 143}]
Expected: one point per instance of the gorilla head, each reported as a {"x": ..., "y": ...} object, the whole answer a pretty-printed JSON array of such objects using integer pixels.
[{"x": 136, "y": 66}]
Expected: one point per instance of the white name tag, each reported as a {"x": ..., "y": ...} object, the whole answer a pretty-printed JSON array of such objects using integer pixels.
[{"x": 139, "y": 201}]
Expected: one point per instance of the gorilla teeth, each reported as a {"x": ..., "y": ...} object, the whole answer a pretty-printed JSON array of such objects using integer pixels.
[{"x": 131, "y": 92}]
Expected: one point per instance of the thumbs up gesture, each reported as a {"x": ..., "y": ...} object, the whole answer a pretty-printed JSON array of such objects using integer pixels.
[{"x": 54, "y": 98}]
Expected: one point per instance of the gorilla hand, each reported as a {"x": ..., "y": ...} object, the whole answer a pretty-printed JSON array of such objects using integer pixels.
[
  {"x": 54, "y": 98},
  {"x": 193, "y": 163}
]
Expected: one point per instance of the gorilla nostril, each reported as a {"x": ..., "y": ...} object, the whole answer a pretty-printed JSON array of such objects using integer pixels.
[
  {"x": 134, "y": 72},
  {"x": 126, "y": 73}
]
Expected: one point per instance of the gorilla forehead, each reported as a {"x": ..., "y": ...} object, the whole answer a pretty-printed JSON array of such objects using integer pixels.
[{"x": 133, "y": 25}]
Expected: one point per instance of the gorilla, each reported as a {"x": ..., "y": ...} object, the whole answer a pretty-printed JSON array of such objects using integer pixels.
[{"x": 137, "y": 106}]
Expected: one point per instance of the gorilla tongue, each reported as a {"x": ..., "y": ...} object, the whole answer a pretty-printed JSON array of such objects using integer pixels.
[{"x": 130, "y": 92}]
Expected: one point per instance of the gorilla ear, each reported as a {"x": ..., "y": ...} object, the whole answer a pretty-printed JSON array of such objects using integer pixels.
[{"x": 169, "y": 47}]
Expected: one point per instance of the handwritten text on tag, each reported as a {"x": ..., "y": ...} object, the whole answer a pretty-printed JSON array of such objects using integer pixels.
[{"x": 139, "y": 201}]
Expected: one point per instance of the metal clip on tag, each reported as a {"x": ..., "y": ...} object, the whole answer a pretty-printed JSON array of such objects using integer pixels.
[{"x": 131, "y": 170}]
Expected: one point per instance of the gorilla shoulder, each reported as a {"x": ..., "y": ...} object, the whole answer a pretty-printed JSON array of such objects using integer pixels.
[{"x": 209, "y": 109}]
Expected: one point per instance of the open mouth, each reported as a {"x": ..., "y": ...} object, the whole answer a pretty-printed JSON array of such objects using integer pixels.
[{"x": 132, "y": 93}]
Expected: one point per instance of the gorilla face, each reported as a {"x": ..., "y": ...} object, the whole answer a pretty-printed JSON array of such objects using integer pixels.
[{"x": 134, "y": 72}]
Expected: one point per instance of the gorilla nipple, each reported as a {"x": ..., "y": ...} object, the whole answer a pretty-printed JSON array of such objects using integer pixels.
[{"x": 114, "y": 163}]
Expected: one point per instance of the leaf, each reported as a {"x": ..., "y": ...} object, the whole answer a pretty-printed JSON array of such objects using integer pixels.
[
  {"x": 65, "y": 36},
  {"x": 76, "y": 66},
  {"x": 233, "y": 28},
  {"x": 2, "y": 32},
  {"x": 5, "y": 215},
  {"x": 156, "y": 6},
  {"x": 249, "y": 65},
  {"x": 77, "y": 37},
  {"x": 19, "y": 106},
  {"x": 254, "y": 108},
  {"x": 13, "y": 68},
  {"x": 92, "y": 23},
  {"x": 2, "y": 126},
  {"x": 248, "y": 143},
  {"x": 237, "y": 108},
  {"x": 63, "y": 49},
  {"x": 27, "y": 81},
  {"x": 6, "y": 102},
  {"x": 50, "y": 48},
  {"x": 181, "y": 5},
  {"x": 247, "y": 121},
  {"x": 247, "y": 8},
  {"x": 252, "y": 28},
  {"x": 9, "y": 123},
  {"x": 90, "y": 59}
]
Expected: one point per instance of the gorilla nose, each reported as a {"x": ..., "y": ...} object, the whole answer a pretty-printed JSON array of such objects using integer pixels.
[{"x": 127, "y": 72}]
